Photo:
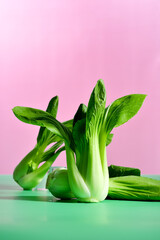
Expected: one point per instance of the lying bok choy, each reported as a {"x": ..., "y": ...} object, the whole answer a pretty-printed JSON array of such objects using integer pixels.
[
  {"x": 134, "y": 188},
  {"x": 116, "y": 171},
  {"x": 85, "y": 145},
  {"x": 28, "y": 173}
]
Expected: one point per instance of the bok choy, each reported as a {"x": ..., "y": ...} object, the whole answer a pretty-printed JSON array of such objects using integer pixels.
[
  {"x": 28, "y": 173},
  {"x": 85, "y": 144},
  {"x": 134, "y": 188}
]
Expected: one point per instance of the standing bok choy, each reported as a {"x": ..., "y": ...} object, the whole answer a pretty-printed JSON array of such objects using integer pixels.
[{"x": 87, "y": 170}]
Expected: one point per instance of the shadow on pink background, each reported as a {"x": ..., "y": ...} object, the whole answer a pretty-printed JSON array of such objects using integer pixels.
[{"x": 62, "y": 48}]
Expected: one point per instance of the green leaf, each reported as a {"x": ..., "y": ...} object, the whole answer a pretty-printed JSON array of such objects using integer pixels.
[
  {"x": 69, "y": 124},
  {"x": 54, "y": 138},
  {"x": 80, "y": 114},
  {"x": 117, "y": 171},
  {"x": 43, "y": 119},
  {"x": 79, "y": 136},
  {"x": 79, "y": 133},
  {"x": 96, "y": 107},
  {"x": 52, "y": 109},
  {"x": 51, "y": 151},
  {"x": 109, "y": 139},
  {"x": 53, "y": 106},
  {"x": 123, "y": 109}
]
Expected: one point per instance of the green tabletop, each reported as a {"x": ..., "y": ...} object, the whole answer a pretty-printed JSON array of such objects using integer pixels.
[{"x": 36, "y": 215}]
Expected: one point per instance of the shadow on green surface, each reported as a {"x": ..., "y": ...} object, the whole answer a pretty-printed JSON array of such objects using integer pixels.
[
  {"x": 9, "y": 187},
  {"x": 29, "y": 198},
  {"x": 28, "y": 195},
  {"x": 52, "y": 199},
  {"x": 36, "y": 198},
  {"x": 67, "y": 201}
]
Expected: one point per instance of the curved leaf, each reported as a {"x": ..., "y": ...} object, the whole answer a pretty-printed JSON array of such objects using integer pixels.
[
  {"x": 43, "y": 119},
  {"x": 51, "y": 151},
  {"x": 123, "y": 109}
]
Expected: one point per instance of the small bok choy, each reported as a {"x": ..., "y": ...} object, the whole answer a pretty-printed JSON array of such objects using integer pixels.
[
  {"x": 85, "y": 144},
  {"x": 28, "y": 173}
]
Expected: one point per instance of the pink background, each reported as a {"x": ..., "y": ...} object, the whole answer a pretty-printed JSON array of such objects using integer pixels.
[{"x": 62, "y": 48}]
